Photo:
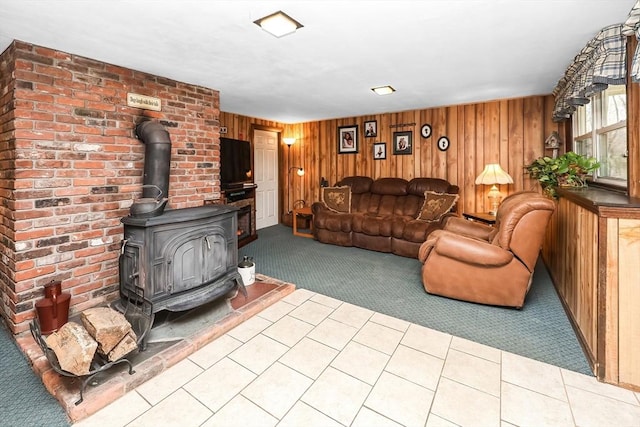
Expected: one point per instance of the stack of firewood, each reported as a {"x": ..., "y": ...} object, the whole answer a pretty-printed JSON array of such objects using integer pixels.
[{"x": 103, "y": 330}]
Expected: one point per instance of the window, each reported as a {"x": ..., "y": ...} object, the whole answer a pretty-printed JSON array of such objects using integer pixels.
[{"x": 600, "y": 130}]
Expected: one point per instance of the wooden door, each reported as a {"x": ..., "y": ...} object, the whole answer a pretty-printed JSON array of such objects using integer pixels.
[{"x": 265, "y": 160}]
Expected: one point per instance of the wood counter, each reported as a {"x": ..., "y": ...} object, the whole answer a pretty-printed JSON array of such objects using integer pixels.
[{"x": 592, "y": 250}]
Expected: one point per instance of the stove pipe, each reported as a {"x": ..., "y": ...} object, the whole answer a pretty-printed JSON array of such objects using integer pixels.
[{"x": 157, "y": 158}]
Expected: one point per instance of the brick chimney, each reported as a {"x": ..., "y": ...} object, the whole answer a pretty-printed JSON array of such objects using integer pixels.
[{"x": 70, "y": 167}]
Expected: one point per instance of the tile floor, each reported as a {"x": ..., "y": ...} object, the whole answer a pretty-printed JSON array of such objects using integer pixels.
[{"x": 310, "y": 360}]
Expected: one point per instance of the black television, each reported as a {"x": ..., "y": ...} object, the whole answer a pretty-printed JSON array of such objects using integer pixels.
[{"x": 235, "y": 163}]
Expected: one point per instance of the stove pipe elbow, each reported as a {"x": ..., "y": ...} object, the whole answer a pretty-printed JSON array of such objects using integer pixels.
[{"x": 157, "y": 159}]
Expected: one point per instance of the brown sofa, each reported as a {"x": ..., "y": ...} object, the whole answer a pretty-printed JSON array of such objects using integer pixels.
[
  {"x": 489, "y": 265},
  {"x": 382, "y": 214}
]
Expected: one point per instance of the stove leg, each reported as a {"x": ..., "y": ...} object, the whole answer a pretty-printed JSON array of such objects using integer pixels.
[{"x": 241, "y": 287}]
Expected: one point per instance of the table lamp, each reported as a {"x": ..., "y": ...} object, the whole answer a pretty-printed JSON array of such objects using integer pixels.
[{"x": 491, "y": 175}]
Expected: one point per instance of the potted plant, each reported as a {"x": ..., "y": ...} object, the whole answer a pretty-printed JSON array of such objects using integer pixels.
[{"x": 567, "y": 170}]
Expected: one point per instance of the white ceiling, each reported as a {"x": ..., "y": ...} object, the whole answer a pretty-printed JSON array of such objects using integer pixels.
[{"x": 433, "y": 52}]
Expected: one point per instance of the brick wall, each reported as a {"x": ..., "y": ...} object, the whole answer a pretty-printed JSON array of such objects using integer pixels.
[
  {"x": 71, "y": 167},
  {"x": 7, "y": 172}
]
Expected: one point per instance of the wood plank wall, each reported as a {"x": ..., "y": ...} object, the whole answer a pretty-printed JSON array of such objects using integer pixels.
[
  {"x": 572, "y": 259},
  {"x": 510, "y": 132}
]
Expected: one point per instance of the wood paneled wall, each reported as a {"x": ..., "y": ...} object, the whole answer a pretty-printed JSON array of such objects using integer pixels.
[
  {"x": 240, "y": 127},
  {"x": 572, "y": 260},
  {"x": 510, "y": 132}
]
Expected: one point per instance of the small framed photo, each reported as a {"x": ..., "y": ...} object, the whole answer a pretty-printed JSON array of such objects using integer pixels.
[
  {"x": 403, "y": 142},
  {"x": 371, "y": 129},
  {"x": 379, "y": 151},
  {"x": 443, "y": 143},
  {"x": 348, "y": 139}
]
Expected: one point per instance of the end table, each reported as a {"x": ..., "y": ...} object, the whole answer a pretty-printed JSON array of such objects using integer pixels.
[
  {"x": 305, "y": 211},
  {"x": 485, "y": 218}
]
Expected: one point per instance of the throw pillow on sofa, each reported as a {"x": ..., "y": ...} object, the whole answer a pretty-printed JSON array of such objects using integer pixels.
[
  {"x": 436, "y": 205},
  {"x": 337, "y": 199}
]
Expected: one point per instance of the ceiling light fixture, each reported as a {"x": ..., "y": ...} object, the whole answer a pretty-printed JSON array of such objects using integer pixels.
[
  {"x": 383, "y": 90},
  {"x": 278, "y": 24}
]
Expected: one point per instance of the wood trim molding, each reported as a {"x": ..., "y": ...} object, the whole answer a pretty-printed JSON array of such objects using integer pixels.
[{"x": 633, "y": 124}]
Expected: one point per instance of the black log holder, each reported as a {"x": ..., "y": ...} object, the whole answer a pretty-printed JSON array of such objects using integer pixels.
[{"x": 138, "y": 312}]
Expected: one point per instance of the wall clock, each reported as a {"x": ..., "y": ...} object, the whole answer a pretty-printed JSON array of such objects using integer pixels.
[
  {"x": 443, "y": 143},
  {"x": 425, "y": 131}
]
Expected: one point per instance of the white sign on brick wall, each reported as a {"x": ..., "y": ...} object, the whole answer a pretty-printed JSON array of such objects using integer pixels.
[{"x": 143, "y": 101}]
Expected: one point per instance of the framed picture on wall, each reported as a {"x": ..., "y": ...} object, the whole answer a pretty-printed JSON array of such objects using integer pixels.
[
  {"x": 403, "y": 142},
  {"x": 379, "y": 151},
  {"x": 348, "y": 139},
  {"x": 370, "y": 129}
]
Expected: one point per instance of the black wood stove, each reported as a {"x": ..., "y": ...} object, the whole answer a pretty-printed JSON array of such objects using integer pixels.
[{"x": 179, "y": 258}]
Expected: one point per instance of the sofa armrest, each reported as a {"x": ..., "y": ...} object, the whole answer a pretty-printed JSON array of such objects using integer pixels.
[
  {"x": 465, "y": 227},
  {"x": 318, "y": 207},
  {"x": 471, "y": 251}
]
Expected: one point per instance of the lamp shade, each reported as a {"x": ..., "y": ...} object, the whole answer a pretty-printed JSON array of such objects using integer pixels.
[
  {"x": 494, "y": 174},
  {"x": 289, "y": 141}
]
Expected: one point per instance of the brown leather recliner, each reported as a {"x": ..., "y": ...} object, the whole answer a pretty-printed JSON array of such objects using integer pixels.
[{"x": 489, "y": 265}]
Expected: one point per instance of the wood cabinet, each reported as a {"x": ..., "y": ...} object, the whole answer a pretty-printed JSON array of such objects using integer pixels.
[{"x": 592, "y": 250}]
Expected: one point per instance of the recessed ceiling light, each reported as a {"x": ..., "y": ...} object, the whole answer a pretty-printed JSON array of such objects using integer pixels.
[
  {"x": 278, "y": 24},
  {"x": 383, "y": 90}
]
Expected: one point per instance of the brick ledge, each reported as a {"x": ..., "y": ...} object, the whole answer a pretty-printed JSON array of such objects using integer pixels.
[{"x": 67, "y": 389}]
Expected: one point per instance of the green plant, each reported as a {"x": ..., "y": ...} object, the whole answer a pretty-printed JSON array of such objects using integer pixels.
[{"x": 567, "y": 170}]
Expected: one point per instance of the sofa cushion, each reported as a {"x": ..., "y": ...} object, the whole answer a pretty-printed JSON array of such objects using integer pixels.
[
  {"x": 418, "y": 231},
  {"x": 390, "y": 186},
  {"x": 338, "y": 222},
  {"x": 372, "y": 225},
  {"x": 417, "y": 186},
  {"x": 436, "y": 205},
  {"x": 337, "y": 199},
  {"x": 358, "y": 184}
]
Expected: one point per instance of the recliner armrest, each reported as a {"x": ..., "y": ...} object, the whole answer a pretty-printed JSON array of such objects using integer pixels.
[
  {"x": 469, "y": 228},
  {"x": 427, "y": 246},
  {"x": 471, "y": 251}
]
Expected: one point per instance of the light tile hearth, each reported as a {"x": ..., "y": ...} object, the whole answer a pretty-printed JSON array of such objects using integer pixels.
[{"x": 312, "y": 360}]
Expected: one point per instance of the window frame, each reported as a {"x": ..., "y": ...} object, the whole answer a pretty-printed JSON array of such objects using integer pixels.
[{"x": 595, "y": 133}]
